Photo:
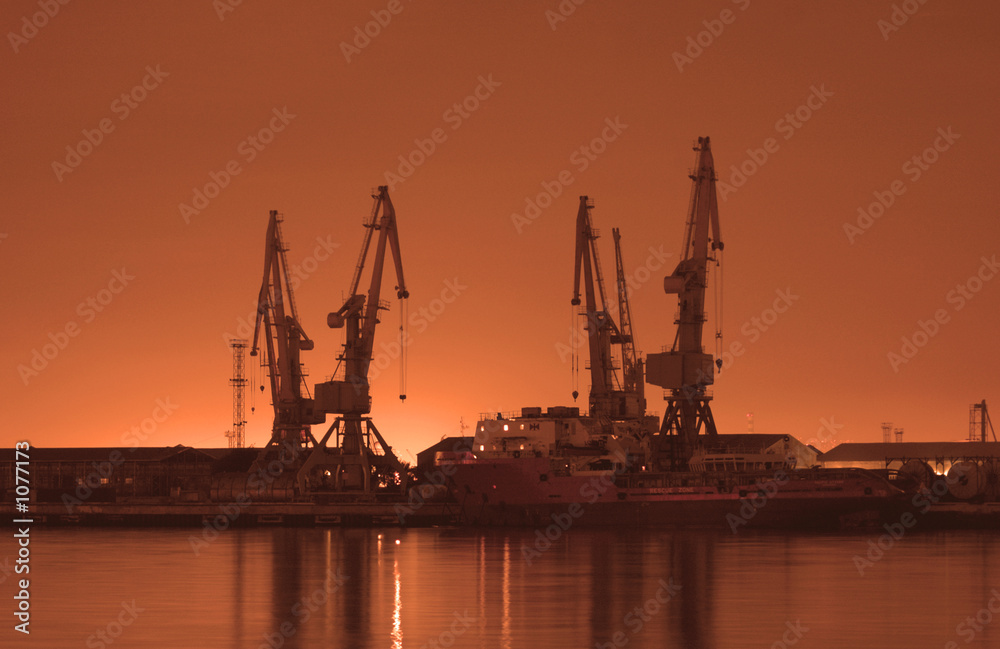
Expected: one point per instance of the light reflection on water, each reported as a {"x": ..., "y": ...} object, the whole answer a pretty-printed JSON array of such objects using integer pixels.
[{"x": 470, "y": 588}]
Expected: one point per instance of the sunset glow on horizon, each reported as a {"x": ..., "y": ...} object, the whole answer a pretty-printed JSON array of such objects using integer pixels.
[{"x": 855, "y": 151}]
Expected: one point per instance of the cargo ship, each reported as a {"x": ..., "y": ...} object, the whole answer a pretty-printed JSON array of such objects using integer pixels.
[
  {"x": 743, "y": 481},
  {"x": 616, "y": 465}
]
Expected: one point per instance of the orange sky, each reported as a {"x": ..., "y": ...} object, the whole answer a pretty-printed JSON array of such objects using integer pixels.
[{"x": 869, "y": 98}]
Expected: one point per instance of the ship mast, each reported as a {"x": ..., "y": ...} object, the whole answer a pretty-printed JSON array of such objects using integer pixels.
[{"x": 686, "y": 371}]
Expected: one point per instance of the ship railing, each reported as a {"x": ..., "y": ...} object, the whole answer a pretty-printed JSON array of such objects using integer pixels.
[
  {"x": 500, "y": 414},
  {"x": 734, "y": 449}
]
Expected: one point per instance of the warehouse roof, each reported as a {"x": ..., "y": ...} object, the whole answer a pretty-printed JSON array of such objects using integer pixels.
[
  {"x": 128, "y": 453},
  {"x": 879, "y": 452}
]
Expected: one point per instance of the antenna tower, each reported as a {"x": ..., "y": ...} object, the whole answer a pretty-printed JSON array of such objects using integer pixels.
[{"x": 239, "y": 382}]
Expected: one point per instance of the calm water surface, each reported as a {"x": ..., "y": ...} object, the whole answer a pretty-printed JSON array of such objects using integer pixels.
[{"x": 469, "y": 588}]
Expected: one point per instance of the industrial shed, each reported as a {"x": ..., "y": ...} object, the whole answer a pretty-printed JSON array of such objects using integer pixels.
[
  {"x": 939, "y": 455},
  {"x": 113, "y": 473}
]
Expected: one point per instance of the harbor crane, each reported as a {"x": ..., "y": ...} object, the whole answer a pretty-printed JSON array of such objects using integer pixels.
[
  {"x": 610, "y": 398},
  {"x": 360, "y": 458},
  {"x": 277, "y": 322},
  {"x": 686, "y": 371},
  {"x": 363, "y": 459}
]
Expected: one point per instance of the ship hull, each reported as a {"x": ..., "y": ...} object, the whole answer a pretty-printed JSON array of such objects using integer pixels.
[{"x": 526, "y": 493}]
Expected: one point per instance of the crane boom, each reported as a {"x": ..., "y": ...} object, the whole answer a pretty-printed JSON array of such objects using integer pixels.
[
  {"x": 632, "y": 369},
  {"x": 689, "y": 279},
  {"x": 388, "y": 235},
  {"x": 370, "y": 226}
]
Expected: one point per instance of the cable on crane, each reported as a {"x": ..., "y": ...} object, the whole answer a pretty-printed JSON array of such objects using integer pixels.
[
  {"x": 719, "y": 278},
  {"x": 403, "y": 312},
  {"x": 574, "y": 367},
  {"x": 252, "y": 381}
]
